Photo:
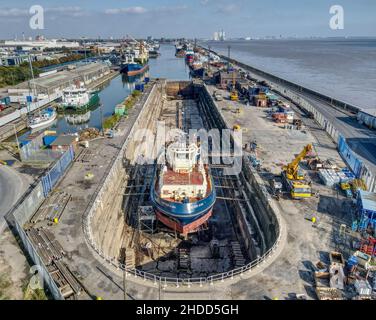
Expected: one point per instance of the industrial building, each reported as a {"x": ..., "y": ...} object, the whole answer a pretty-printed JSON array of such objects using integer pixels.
[
  {"x": 40, "y": 44},
  {"x": 60, "y": 80}
]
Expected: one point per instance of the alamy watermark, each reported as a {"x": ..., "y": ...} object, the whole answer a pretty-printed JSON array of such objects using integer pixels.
[
  {"x": 337, "y": 21},
  {"x": 36, "y": 21},
  {"x": 221, "y": 146}
]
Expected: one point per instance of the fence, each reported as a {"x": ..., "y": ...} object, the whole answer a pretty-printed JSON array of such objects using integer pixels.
[
  {"x": 164, "y": 281},
  {"x": 355, "y": 164},
  {"x": 32, "y": 252},
  {"x": 30, "y": 202},
  {"x": 54, "y": 174},
  {"x": 33, "y": 152}
]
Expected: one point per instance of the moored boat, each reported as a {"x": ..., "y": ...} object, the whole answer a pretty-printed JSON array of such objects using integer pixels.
[
  {"x": 44, "y": 118},
  {"x": 79, "y": 98},
  {"x": 134, "y": 69}
]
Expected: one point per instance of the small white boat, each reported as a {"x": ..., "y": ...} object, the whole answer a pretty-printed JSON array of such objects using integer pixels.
[{"x": 43, "y": 119}]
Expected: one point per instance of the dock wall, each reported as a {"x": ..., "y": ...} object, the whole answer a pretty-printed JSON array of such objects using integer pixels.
[
  {"x": 115, "y": 179},
  {"x": 259, "y": 219}
]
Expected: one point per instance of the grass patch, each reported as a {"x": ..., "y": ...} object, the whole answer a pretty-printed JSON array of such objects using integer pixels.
[
  {"x": 30, "y": 294},
  {"x": 110, "y": 122},
  {"x": 5, "y": 283}
]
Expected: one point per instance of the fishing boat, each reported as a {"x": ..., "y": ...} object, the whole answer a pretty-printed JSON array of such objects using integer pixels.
[
  {"x": 182, "y": 192},
  {"x": 43, "y": 119},
  {"x": 76, "y": 119},
  {"x": 133, "y": 68},
  {"x": 154, "y": 53},
  {"x": 189, "y": 57},
  {"x": 79, "y": 98}
]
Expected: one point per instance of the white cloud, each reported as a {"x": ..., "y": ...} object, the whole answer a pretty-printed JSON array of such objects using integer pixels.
[
  {"x": 230, "y": 8},
  {"x": 13, "y": 12},
  {"x": 171, "y": 9},
  {"x": 130, "y": 10},
  {"x": 17, "y": 12},
  {"x": 64, "y": 9},
  {"x": 142, "y": 10}
]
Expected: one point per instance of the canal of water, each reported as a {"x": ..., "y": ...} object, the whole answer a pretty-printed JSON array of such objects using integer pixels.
[{"x": 116, "y": 90}]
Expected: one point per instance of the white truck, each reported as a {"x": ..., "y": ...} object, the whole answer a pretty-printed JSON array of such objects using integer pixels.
[{"x": 217, "y": 96}]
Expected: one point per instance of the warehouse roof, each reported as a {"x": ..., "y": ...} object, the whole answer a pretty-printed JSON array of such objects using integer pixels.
[
  {"x": 64, "y": 141},
  {"x": 368, "y": 200}
]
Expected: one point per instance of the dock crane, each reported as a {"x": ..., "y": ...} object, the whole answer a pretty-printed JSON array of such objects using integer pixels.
[
  {"x": 294, "y": 178},
  {"x": 141, "y": 48}
]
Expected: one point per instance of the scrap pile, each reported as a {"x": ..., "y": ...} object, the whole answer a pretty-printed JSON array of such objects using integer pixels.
[
  {"x": 89, "y": 134},
  {"x": 330, "y": 280},
  {"x": 354, "y": 279}
]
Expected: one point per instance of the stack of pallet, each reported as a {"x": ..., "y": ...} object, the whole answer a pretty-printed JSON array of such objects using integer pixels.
[
  {"x": 237, "y": 254},
  {"x": 129, "y": 259}
]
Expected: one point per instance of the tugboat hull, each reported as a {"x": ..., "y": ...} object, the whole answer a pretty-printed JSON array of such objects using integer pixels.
[{"x": 181, "y": 217}]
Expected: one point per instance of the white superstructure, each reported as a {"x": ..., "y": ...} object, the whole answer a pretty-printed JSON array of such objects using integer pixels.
[{"x": 75, "y": 97}]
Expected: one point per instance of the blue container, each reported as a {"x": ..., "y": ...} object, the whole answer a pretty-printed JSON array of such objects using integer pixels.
[
  {"x": 139, "y": 87},
  {"x": 5, "y": 100},
  {"x": 147, "y": 79},
  {"x": 47, "y": 140},
  {"x": 24, "y": 143}
]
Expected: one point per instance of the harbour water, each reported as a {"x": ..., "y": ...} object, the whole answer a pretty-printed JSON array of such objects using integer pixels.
[
  {"x": 342, "y": 68},
  {"x": 117, "y": 89}
]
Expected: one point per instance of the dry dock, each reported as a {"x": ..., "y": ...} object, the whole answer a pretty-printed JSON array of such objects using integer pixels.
[{"x": 265, "y": 248}]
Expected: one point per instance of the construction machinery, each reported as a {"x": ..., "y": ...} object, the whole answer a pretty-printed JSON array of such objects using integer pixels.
[
  {"x": 294, "y": 178},
  {"x": 346, "y": 188},
  {"x": 234, "y": 94}
]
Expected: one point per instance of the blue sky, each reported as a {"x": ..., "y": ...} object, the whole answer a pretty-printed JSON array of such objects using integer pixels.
[{"x": 194, "y": 18}]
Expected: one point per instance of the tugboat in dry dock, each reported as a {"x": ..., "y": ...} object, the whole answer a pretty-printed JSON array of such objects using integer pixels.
[{"x": 183, "y": 192}]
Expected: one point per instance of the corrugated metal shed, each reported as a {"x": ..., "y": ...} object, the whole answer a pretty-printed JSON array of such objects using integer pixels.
[{"x": 367, "y": 201}]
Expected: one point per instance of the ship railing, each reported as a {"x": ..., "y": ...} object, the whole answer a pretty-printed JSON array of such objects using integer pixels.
[{"x": 163, "y": 281}]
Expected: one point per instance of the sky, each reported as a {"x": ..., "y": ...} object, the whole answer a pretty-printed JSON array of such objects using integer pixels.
[{"x": 191, "y": 19}]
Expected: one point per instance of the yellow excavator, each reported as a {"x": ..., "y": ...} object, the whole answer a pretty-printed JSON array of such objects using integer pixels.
[
  {"x": 234, "y": 94},
  {"x": 294, "y": 178}
]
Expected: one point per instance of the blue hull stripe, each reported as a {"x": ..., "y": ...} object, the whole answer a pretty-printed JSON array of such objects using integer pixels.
[{"x": 184, "y": 212}]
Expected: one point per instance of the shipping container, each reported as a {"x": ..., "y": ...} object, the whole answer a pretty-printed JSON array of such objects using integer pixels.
[{"x": 47, "y": 140}]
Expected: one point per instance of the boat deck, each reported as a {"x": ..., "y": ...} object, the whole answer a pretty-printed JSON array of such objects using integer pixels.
[{"x": 174, "y": 178}]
